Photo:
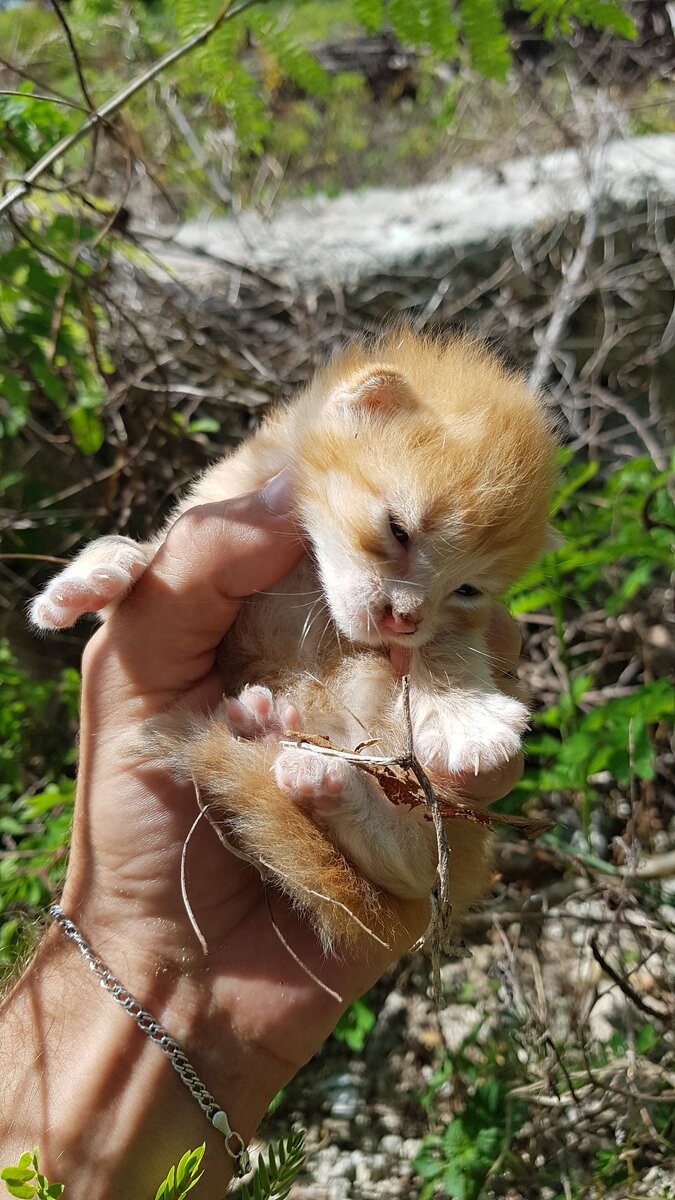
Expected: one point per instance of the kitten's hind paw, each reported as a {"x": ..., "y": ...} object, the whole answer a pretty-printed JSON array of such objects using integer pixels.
[
  {"x": 93, "y": 581},
  {"x": 257, "y": 713},
  {"x": 315, "y": 781}
]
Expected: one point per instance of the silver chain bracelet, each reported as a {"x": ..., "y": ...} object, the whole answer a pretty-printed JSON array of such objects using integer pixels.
[{"x": 234, "y": 1142}]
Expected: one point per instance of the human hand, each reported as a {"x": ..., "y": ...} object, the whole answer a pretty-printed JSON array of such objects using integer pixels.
[{"x": 246, "y": 1014}]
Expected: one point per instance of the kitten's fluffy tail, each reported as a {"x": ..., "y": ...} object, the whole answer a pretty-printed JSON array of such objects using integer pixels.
[{"x": 270, "y": 829}]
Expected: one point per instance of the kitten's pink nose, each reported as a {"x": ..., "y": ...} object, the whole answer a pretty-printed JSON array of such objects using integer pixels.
[{"x": 395, "y": 622}]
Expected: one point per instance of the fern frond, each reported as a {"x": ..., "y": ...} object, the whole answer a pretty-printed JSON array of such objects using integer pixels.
[
  {"x": 485, "y": 37},
  {"x": 215, "y": 71},
  {"x": 183, "y": 1177},
  {"x": 273, "y": 1180},
  {"x": 190, "y": 16},
  {"x": 370, "y": 14},
  {"x": 442, "y": 33},
  {"x": 556, "y": 16},
  {"x": 427, "y": 23},
  {"x": 228, "y": 83},
  {"x": 407, "y": 21},
  {"x": 294, "y": 61}
]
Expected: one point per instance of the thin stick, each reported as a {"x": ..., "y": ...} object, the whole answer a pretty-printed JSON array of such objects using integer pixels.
[
  {"x": 38, "y": 558},
  {"x": 623, "y": 984},
  {"x": 374, "y": 760},
  {"x": 201, "y": 158},
  {"x": 441, "y": 906},
  {"x": 296, "y": 957},
  {"x": 568, "y": 297},
  {"x": 38, "y": 96},
  {"x": 438, "y": 930},
  {"x": 183, "y": 883},
  {"x": 74, "y": 54}
]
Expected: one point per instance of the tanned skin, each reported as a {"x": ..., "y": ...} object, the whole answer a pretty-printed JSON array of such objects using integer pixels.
[{"x": 79, "y": 1079}]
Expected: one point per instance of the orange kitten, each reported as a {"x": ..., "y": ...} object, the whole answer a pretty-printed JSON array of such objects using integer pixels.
[{"x": 422, "y": 477}]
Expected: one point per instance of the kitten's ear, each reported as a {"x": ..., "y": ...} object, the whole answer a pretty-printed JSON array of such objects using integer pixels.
[
  {"x": 376, "y": 390},
  {"x": 553, "y": 540}
]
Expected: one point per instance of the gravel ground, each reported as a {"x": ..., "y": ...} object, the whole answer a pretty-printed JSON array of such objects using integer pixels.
[{"x": 533, "y": 978}]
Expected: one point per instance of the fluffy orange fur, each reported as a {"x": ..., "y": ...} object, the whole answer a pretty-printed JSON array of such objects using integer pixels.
[{"x": 422, "y": 474}]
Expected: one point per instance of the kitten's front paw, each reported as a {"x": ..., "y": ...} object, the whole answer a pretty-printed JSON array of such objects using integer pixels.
[
  {"x": 258, "y": 713},
  {"x": 315, "y": 781},
  {"x": 87, "y": 588},
  {"x": 476, "y": 735}
]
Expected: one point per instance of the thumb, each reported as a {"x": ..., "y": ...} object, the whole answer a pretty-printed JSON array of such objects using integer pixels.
[{"x": 164, "y": 637}]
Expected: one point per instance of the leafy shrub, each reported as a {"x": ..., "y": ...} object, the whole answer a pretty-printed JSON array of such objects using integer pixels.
[
  {"x": 355, "y": 1025},
  {"x": 55, "y": 256},
  {"x": 37, "y": 740},
  {"x": 26, "y": 1181},
  {"x": 483, "y": 1083},
  {"x": 272, "y": 1179},
  {"x": 182, "y": 1178},
  {"x": 618, "y": 547},
  {"x": 458, "y": 1159}
]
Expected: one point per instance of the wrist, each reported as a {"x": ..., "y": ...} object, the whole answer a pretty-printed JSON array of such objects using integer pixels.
[{"x": 101, "y": 1100}]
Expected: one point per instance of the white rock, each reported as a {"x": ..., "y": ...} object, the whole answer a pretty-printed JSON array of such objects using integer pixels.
[
  {"x": 411, "y": 1147},
  {"x": 378, "y": 1166},
  {"x": 391, "y": 1143},
  {"x": 359, "y": 234}
]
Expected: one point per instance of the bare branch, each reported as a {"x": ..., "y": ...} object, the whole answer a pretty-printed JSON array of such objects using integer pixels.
[{"x": 74, "y": 54}]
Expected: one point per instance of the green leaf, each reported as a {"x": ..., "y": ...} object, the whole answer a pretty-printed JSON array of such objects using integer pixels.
[
  {"x": 204, "y": 425},
  {"x": 182, "y": 1178},
  {"x": 15, "y": 1175},
  {"x": 426, "y": 23},
  {"x": 273, "y": 1180},
  {"x": 355, "y": 1025},
  {"x": 647, "y": 1039},
  {"x": 293, "y": 60},
  {"x": 486, "y": 37},
  {"x": 370, "y": 13},
  {"x": 577, "y": 478},
  {"x": 598, "y": 14},
  {"x": 87, "y": 430}
]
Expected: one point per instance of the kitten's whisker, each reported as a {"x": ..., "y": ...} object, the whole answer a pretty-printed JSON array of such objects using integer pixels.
[
  {"x": 339, "y": 641},
  {"x": 281, "y": 592},
  {"x": 326, "y": 627},
  {"x": 310, "y": 627},
  {"x": 406, "y": 582},
  {"x": 474, "y": 650},
  {"x": 335, "y": 695},
  {"x": 311, "y": 617}
]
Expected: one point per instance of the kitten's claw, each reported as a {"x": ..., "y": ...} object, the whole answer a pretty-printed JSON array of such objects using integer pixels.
[
  {"x": 87, "y": 588},
  {"x": 479, "y": 736},
  {"x": 314, "y": 781},
  {"x": 257, "y": 713}
]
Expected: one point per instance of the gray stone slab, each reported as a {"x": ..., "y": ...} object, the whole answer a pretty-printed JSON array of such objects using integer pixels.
[{"x": 344, "y": 241}]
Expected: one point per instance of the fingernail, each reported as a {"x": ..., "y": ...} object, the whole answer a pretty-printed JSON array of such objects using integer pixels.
[{"x": 277, "y": 494}]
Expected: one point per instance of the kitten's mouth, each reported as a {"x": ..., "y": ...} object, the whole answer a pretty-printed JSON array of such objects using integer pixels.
[
  {"x": 375, "y": 636},
  {"x": 393, "y": 624},
  {"x": 406, "y": 641}
]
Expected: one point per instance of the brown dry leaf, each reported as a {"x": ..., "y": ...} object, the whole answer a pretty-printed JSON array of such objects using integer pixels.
[{"x": 400, "y": 786}]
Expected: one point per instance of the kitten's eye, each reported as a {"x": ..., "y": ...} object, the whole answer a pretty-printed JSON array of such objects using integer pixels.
[
  {"x": 467, "y": 590},
  {"x": 399, "y": 532}
]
